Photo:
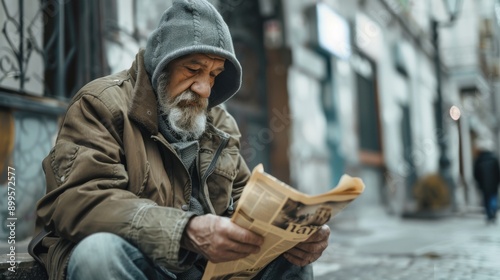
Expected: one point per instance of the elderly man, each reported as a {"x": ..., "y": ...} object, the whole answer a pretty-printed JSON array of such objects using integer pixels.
[{"x": 146, "y": 169}]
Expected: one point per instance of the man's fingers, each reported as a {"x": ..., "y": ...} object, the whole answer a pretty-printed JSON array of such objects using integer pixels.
[
  {"x": 322, "y": 234},
  {"x": 241, "y": 235},
  {"x": 316, "y": 247},
  {"x": 297, "y": 260},
  {"x": 300, "y": 257},
  {"x": 235, "y": 246},
  {"x": 310, "y": 250},
  {"x": 219, "y": 240}
]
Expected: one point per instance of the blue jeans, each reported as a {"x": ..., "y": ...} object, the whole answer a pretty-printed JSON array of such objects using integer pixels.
[
  {"x": 490, "y": 205},
  {"x": 108, "y": 256}
]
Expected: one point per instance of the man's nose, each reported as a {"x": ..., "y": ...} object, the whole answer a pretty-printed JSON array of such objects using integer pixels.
[{"x": 202, "y": 86}]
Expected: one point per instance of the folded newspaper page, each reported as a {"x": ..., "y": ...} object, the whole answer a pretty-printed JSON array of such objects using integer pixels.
[{"x": 284, "y": 216}]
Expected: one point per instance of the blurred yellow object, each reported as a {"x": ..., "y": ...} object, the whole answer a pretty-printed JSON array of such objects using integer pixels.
[
  {"x": 432, "y": 192},
  {"x": 7, "y": 138}
]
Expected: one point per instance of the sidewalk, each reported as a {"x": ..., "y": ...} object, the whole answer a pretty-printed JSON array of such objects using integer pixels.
[{"x": 366, "y": 243}]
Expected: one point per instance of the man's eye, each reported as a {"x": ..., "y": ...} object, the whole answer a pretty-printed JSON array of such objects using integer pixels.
[
  {"x": 191, "y": 70},
  {"x": 215, "y": 74}
]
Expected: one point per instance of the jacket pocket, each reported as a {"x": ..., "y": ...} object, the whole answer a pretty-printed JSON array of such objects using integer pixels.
[
  {"x": 220, "y": 182},
  {"x": 227, "y": 164},
  {"x": 62, "y": 157}
]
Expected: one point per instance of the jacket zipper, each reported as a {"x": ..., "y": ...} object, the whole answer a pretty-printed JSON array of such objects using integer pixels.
[
  {"x": 204, "y": 199},
  {"x": 209, "y": 171}
]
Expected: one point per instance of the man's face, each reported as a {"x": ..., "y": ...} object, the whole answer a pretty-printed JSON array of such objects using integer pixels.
[{"x": 183, "y": 91}]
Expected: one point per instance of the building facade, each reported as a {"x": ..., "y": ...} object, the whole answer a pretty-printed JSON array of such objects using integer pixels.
[{"x": 394, "y": 113}]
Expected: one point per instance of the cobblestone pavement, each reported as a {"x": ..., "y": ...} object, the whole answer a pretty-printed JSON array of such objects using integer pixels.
[{"x": 382, "y": 247}]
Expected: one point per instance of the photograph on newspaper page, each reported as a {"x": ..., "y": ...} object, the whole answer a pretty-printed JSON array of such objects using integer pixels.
[{"x": 284, "y": 216}]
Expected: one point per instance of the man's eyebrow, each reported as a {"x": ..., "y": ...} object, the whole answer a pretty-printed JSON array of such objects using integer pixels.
[{"x": 197, "y": 62}]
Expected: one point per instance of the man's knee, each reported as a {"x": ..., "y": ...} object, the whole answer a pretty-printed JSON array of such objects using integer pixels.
[
  {"x": 97, "y": 249},
  {"x": 107, "y": 256}
]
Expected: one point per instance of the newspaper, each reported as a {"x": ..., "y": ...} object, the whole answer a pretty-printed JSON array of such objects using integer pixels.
[{"x": 284, "y": 216}]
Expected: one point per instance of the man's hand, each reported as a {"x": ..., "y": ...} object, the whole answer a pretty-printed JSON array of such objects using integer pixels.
[
  {"x": 310, "y": 250},
  {"x": 218, "y": 239}
]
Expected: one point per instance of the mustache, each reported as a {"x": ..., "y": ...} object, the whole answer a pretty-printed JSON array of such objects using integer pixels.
[{"x": 189, "y": 99}]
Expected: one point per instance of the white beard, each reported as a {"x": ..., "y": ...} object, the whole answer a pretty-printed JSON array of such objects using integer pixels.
[{"x": 186, "y": 113}]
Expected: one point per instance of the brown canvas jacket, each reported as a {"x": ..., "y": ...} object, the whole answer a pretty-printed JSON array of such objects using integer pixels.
[{"x": 106, "y": 173}]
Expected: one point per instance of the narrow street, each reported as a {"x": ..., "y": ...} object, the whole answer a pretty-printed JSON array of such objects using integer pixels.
[
  {"x": 404, "y": 94},
  {"x": 366, "y": 243}
]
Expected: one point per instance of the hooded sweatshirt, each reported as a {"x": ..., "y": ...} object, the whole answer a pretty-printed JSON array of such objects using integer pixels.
[{"x": 194, "y": 26}]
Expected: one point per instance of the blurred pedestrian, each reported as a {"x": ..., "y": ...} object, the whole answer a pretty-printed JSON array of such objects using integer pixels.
[{"x": 487, "y": 175}]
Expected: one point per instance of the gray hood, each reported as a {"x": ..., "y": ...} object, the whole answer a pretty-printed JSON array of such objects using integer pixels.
[{"x": 194, "y": 26}]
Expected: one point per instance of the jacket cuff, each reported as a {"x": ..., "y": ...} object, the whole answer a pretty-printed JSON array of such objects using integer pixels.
[
  {"x": 157, "y": 232},
  {"x": 187, "y": 258}
]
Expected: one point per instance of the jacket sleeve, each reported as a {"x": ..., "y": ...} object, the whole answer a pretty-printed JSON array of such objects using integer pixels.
[{"x": 87, "y": 188}]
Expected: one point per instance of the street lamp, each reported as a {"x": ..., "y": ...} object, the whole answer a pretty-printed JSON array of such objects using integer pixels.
[{"x": 453, "y": 8}]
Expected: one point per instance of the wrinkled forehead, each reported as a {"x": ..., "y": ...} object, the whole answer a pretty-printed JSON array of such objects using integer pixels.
[
  {"x": 200, "y": 56},
  {"x": 216, "y": 57}
]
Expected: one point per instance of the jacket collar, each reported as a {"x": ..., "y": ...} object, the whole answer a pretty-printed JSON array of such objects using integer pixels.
[{"x": 143, "y": 108}]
